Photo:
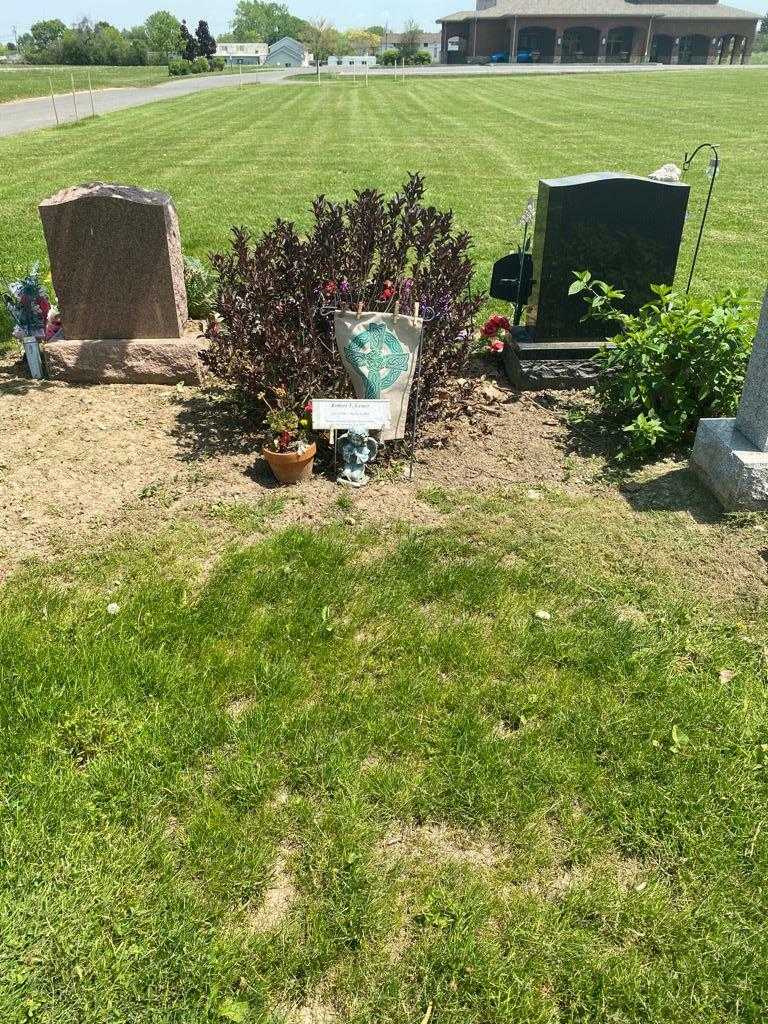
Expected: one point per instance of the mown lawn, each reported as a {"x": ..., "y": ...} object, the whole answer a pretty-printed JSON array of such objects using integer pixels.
[
  {"x": 25, "y": 82},
  {"x": 247, "y": 156},
  {"x": 349, "y": 775}
]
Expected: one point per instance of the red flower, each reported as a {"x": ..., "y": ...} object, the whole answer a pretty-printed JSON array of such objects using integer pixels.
[
  {"x": 308, "y": 407},
  {"x": 494, "y": 324},
  {"x": 52, "y": 327},
  {"x": 329, "y": 287},
  {"x": 44, "y": 306},
  {"x": 387, "y": 291},
  {"x": 496, "y": 346}
]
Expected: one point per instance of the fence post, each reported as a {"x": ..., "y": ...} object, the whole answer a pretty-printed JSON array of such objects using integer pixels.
[
  {"x": 53, "y": 101},
  {"x": 74, "y": 101}
]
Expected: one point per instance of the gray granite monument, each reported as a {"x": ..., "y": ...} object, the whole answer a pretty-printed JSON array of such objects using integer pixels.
[
  {"x": 730, "y": 455},
  {"x": 118, "y": 272}
]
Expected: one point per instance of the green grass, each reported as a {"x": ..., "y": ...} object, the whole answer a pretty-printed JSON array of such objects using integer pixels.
[
  {"x": 465, "y": 806},
  {"x": 18, "y": 83},
  {"x": 231, "y": 156}
]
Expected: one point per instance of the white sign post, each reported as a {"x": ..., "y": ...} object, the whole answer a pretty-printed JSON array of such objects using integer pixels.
[{"x": 343, "y": 413}]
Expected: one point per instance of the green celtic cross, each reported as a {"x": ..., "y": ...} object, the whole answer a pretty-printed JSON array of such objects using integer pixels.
[{"x": 378, "y": 357}]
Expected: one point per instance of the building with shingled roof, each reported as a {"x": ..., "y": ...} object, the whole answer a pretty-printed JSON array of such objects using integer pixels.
[{"x": 597, "y": 32}]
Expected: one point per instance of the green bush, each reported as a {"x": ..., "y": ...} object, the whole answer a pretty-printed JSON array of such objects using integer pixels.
[
  {"x": 200, "y": 281},
  {"x": 677, "y": 359},
  {"x": 421, "y": 57},
  {"x": 389, "y": 57},
  {"x": 179, "y": 67},
  {"x": 217, "y": 63},
  {"x": 200, "y": 66}
]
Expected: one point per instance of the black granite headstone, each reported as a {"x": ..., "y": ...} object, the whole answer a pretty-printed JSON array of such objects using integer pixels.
[{"x": 624, "y": 229}]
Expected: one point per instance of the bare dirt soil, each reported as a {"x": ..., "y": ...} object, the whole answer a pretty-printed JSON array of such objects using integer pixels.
[{"x": 78, "y": 462}]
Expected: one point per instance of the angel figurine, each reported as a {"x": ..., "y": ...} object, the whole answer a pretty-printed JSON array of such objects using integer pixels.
[{"x": 357, "y": 449}]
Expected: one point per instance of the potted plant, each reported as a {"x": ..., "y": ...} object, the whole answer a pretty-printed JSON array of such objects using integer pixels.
[
  {"x": 28, "y": 304},
  {"x": 288, "y": 452}
]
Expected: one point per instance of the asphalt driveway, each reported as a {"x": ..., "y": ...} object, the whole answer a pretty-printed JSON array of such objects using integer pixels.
[{"x": 27, "y": 115}]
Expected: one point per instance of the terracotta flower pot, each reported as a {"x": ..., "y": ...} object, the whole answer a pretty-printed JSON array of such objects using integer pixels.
[{"x": 291, "y": 467}]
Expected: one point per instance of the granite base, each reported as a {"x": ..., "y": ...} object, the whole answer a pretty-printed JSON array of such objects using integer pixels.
[
  {"x": 537, "y": 375},
  {"x": 732, "y": 468},
  {"x": 126, "y": 361}
]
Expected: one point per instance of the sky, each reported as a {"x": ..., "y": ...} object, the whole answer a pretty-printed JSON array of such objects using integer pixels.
[{"x": 218, "y": 13}]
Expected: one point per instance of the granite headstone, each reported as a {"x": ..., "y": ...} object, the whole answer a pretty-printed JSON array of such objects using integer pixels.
[
  {"x": 625, "y": 229},
  {"x": 116, "y": 262},
  {"x": 730, "y": 454}
]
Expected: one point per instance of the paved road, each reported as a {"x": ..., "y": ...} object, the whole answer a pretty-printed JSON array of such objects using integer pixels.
[
  {"x": 495, "y": 70},
  {"x": 27, "y": 115}
]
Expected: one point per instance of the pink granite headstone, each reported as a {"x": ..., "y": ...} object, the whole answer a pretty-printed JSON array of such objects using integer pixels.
[{"x": 116, "y": 262}]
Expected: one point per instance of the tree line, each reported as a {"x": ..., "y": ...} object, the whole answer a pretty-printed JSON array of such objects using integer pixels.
[{"x": 163, "y": 37}]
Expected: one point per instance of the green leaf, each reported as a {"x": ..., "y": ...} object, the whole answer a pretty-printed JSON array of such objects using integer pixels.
[
  {"x": 678, "y": 737},
  {"x": 235, "y": 1010},
  {"x": 576, "y": 287}
]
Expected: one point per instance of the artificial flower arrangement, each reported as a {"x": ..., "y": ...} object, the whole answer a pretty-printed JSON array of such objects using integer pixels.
[
  {"x": 496, "y": 331},
  {"x": 28, "y": 304}
]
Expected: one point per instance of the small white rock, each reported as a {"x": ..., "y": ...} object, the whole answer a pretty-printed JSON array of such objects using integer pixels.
[
  {"x": 541, "y": 615},
  {"x": 113, "y": 608}
]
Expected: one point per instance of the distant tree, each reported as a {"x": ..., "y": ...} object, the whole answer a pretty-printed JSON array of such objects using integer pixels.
[
  {"x": 376, "y": 30},
  {"x": 163, "y": 33},
  {"x": 74, "y": 47},
  {"x": 255, "y": 22},
  {"x": 320, "y": 37},
  {"x": 136, "y": 38},
  {"x": 410, "y": 40},
  {"x": 344, "y": 44},
  {"x": 108, "y": 45},
  {"x": 363, "y": 40},
  {"x": 37, "y": 44},
  {"x": 761, "y": 39},
  {"x": 45, "y": 33},
  {"x": 188, "y": 43},
  {"x": 206, "y": 44}
]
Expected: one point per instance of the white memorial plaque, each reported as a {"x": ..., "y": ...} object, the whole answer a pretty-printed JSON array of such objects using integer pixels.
[{"x": 342, "y": 413}]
